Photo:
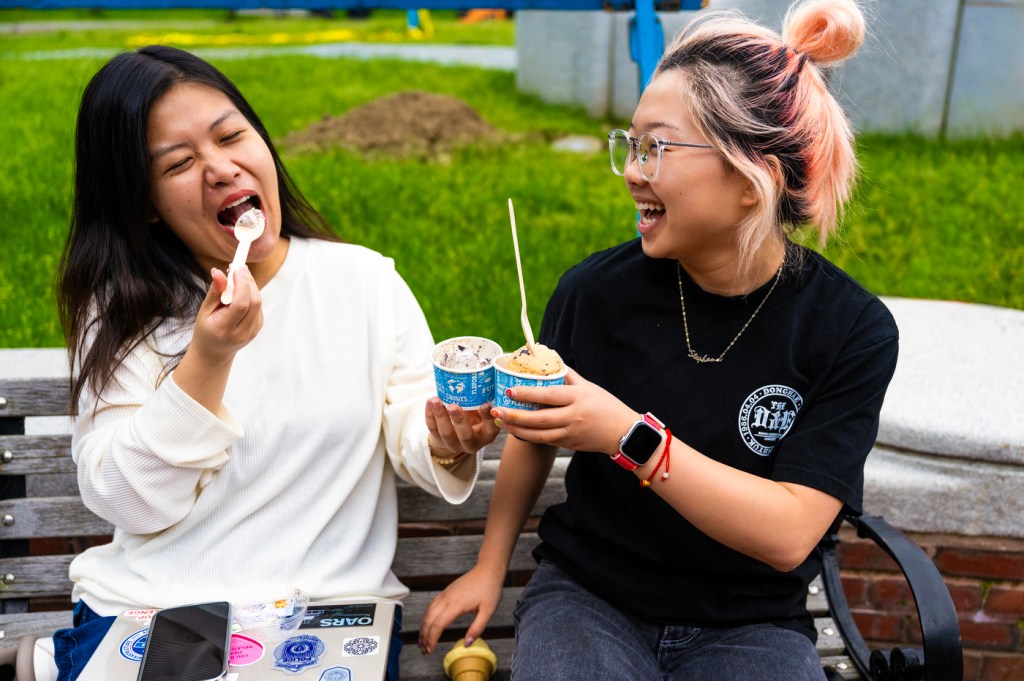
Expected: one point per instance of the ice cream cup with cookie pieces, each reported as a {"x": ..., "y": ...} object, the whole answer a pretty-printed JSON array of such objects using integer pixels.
[
  {"x": 519, "y": 368},
  {"x": 464, "y": 370}
]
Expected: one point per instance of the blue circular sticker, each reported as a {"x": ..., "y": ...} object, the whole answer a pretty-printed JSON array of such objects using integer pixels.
[{"x": 134, "y": 646}]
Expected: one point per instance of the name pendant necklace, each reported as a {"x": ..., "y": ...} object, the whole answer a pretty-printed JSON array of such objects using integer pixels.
[{"x": 705, "y": 359}]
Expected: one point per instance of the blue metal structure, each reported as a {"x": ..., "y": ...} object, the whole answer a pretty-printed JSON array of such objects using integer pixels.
[{"x": 646, "y": 37}]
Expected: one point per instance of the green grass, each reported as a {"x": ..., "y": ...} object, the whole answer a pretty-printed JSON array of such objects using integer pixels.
[
  {"x": 933, "y": 220},
  {"x": 217, "y": 28}
]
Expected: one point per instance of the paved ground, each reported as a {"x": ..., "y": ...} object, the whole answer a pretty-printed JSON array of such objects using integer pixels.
[
  {"x": 491, "y": 57},
  {"x": 16, "y": 27},
  {"x": 500, "y": 58}
]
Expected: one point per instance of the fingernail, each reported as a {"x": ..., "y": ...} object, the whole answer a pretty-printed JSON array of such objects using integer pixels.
[
  {"x": 509, "y": 392},
  {"x": 469, "y": 641},
  {"x": 496, "y": 413}
]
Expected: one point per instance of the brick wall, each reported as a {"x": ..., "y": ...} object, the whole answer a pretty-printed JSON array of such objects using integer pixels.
[{"x": 985, "y": 577}]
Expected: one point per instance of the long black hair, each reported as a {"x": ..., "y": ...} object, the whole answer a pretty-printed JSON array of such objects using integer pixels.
[{"x": 121, "y": 275}]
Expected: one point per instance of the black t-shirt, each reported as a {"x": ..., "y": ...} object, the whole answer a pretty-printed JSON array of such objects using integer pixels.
[{"x": 796, "y": 399}]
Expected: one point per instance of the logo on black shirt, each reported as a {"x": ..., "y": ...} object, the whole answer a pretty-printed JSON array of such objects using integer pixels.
[{"x": 767, "y": 415}]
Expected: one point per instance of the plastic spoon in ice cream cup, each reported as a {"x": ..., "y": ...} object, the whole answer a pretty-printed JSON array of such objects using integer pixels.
[
  {"x": 527, "y": 331},
  {"x": 248, "y": 228}
]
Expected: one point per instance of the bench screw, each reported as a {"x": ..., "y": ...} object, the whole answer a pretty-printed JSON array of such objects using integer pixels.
[
  {"x": 813, "y": 590},
  {"x": 8, "y": 578},
  {"x": 842, "y": 666},
  {"x": 7, "y": 520},
  {"x": 828, "y": 631},
  {"x": 7, "y": 457},
  {"x": 3, "y": 402}
]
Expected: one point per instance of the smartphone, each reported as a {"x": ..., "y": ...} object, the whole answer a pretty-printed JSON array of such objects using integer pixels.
[{"x": 188, "y": 643}]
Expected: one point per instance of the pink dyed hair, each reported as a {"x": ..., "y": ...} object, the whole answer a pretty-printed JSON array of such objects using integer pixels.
[{"x": 762, "y": 100}]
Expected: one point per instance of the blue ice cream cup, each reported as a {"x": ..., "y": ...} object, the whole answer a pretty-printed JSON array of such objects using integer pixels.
[
  {"x": 464, "y": 370},
  {"x": 505, "y": 378}
]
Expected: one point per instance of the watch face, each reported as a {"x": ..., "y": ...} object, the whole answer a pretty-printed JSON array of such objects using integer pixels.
[{"x": 641, "y": 443}]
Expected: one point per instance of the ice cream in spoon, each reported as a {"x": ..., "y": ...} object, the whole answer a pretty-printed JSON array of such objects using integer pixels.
[{"x": 248, "y": 228}]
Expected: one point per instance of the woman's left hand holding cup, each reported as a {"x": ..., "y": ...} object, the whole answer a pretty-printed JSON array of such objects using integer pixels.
[{"x": 455, "y": 430}]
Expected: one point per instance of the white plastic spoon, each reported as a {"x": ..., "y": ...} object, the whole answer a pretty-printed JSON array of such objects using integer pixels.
[
  {"x": 248, "y": 228},
  {"x": 523, "y": 318}
]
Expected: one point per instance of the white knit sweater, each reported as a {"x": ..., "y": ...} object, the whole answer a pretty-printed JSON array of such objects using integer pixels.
[{"x": 292, "y": 485}]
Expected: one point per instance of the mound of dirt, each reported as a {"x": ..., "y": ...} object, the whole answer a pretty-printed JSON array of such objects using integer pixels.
[{"x": 413, "y": 123}]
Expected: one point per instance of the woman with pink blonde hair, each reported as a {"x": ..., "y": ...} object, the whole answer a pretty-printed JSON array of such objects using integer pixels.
[{"x": 725, "y": 386}]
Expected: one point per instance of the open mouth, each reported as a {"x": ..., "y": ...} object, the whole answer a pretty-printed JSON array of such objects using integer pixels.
[
  {"x": 649, "y": 212},
  {"x": 229, "y": 215}
]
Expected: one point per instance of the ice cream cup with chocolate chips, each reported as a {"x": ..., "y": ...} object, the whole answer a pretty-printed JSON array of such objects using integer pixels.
[
  {"x": 464, "y": 370},
  {"x": 543, "y": 367}
]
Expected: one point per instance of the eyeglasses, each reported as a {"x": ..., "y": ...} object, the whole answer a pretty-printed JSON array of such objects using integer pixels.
[{"x": 646, "y": 149}]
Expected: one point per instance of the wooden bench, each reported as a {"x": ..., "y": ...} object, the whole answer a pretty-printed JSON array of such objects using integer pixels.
[{"x": 43, "y": 525}]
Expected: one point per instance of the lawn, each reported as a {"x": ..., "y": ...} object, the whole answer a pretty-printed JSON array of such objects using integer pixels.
[{"x": 930, "y": 219}]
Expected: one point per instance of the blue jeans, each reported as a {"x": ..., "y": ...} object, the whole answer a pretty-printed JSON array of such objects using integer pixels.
[
  {"x": 567, "y": 633},
  {"x": 73, "y": 647}
]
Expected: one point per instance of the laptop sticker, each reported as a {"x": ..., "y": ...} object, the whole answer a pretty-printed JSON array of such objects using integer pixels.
[
  {"x": 360, "y": 646},
  {"x": 298, "y": 653},
  {"x": 245, "y": 651}
]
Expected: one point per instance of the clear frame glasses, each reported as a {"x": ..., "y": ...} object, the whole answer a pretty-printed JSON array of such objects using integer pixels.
[{"x": 646, "y": 149}]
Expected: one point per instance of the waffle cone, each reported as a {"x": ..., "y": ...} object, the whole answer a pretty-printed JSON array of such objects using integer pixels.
[{"x": 471, "y": 669}]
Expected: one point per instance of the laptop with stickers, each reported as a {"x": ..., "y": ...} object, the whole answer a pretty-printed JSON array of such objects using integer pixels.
[{"x": 337, "y": 641}]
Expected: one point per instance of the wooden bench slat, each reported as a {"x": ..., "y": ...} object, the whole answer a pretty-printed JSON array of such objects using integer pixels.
[
  {"x": 35, "y": 576},
  {"x": 426, "y": 556},
  {"x": 842, "y": 665},
  {"x": 416, "y": 505},
  {"x": 829, "y": 641},
  {"x": 37, "y": 624},
  {"x": 50, "y": 476},
  {"x": 817, "y": 600},
  {"x": 416, "y": 604},
  {"x": 35, "y": 454},
  {"x": 52, "y": 485},
  {"x": 50, "y": 517},
  {"x": 34, "y": 397}
]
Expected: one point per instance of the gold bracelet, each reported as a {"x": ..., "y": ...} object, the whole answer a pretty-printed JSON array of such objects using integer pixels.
[{"x": 448, "y": 460}]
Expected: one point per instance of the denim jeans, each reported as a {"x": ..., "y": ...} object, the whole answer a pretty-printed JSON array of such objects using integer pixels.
[
  {"x": 73, "y": 647},
  {"x": 567, "y": 633}
]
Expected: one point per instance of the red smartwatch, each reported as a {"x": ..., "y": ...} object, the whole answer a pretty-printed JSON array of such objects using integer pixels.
[{"x": 638, "y": 445}]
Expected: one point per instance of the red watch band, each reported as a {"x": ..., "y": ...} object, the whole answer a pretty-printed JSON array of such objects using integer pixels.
[
  {"x": 624, "y": 460},
  {"x": 620, "y": 459}
]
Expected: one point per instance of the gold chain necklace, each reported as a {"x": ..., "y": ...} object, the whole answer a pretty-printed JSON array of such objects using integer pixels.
[{"x": 702, "y": 359}]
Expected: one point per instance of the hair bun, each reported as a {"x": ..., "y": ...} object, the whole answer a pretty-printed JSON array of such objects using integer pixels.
[{"x": 827, "y": 31}]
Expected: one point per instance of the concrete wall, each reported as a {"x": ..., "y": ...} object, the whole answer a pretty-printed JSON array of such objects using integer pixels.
[{"x": 928, "y": 66}]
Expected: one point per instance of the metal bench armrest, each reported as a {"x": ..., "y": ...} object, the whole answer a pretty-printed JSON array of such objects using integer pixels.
[{"x": 942, "y": 657}]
